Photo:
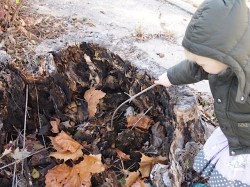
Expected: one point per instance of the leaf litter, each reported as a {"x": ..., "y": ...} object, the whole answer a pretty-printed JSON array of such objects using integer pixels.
[{"x": 72, "y": 123}]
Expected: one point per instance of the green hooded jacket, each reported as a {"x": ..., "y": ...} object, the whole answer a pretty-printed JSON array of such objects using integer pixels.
[{"x": 220, "y": 29}]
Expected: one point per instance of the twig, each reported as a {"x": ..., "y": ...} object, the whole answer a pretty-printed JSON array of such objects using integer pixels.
[
  {"x": 17, "y": 161},
  {"x": 25, "y": 119},
  {"x": 14, "y": 176},
  {"x": 25, "y": 116},
  {"x": 130, "y": 99},
  {"x": 141, "y": 117},
  {"x": 28, "y": 174},
  {"x": 16, "y": 181},
  {"x": 38, "y": 111}
]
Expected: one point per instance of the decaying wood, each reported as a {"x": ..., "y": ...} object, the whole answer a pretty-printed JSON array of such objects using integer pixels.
[{"x": 56, "y": 90}]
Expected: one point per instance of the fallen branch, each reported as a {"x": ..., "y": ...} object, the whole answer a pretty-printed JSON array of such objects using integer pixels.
[{"x": 130, "y": 99}]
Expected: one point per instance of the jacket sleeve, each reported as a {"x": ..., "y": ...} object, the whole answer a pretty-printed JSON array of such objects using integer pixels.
[{"x": 186, "y": 72}]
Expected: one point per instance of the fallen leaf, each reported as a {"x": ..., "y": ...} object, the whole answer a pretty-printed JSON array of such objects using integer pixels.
[
  {"x": 33, "y": 145},
  {"x": 63, "y": 142},
  {"x": 66, "y": 124},
  {"x": 67, "y": 148},
  {"x": 6, "y": 152},
  {"x": 55, "y": 125},
  {"x": 60, "y": 175},
  {"x": 87, "y": 58},
  {"x": 139, "y": 183},
  {"x": 35, "y": 174},
  {"x": 122, "y": 155},
  {"x": 93, "y": 97},
  {"x": 90, "y": 165},
  {"x": 132, "y": 177},
  {"x": 141, "y": 121},
  {"x": 147, "y": 163},
  {"x": 20, "y": 154},
  {"x": 79, "y": 175},
  {"x": 67, "y": 155}
]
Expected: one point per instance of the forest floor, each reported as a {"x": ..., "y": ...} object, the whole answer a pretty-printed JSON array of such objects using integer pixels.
[{"x": 155, "y": 27}]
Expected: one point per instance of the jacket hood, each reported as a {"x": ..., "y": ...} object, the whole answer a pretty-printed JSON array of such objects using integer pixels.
[{"x": 220, "y": 29}]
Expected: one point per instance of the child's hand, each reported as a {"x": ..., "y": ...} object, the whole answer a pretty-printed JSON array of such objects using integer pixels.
[{"x": 163, "y": 80}]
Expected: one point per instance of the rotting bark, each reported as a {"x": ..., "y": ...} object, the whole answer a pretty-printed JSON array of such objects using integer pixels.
[
  {"x": 189, "y": 137},
  {"x": 56, "y": 90}
]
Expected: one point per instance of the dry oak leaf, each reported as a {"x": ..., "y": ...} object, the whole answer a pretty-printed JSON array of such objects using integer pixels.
[
  {"x": 67, "y": 148},
  {"x": 90, "y": 165},
  {"x": 55, "y": 125},
  {"x": 93, "y": 97},
  {"x": 123, "y": 156},
  {"x": 77, "y": 176},
  {"x": 132, "y": 178},
  {"x": 147, "y": 163},
  {"x": 141, "y": 121}
]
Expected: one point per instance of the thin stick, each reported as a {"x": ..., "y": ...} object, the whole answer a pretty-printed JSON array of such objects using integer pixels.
[
  {"x": 14, "y": 176},
  {"x": 141, "y": 117},
  {"x": 130, "y": 99},
  {"x": 25, "y": 119},
  {"x": 38, "y": 111},
  {"x": 16, "y": 181}
]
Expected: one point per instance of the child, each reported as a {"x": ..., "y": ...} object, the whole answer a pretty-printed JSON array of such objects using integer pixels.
[{"x": 217, "y": 44}]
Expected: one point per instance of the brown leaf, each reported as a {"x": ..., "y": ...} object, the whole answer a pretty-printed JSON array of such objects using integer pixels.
[
  {"x": 147, "y": 163},
  {"x": 90, "y": 165},
  {"x": 144, "y": 122},
  {"x": 67, "y": 147},
  {"x": 132, "y": 177},
  {"x": 122, "y": 155},
  {"x": 67, "y": 155},
  {"x": 76, "y": 176},
  {"x": 92, "y": 97},
  {"x": 57, "y": 175},
  {"x": 55, "y": 125}
]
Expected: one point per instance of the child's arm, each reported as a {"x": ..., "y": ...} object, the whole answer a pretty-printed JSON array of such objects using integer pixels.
[{"x": 186, "y": 72}]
